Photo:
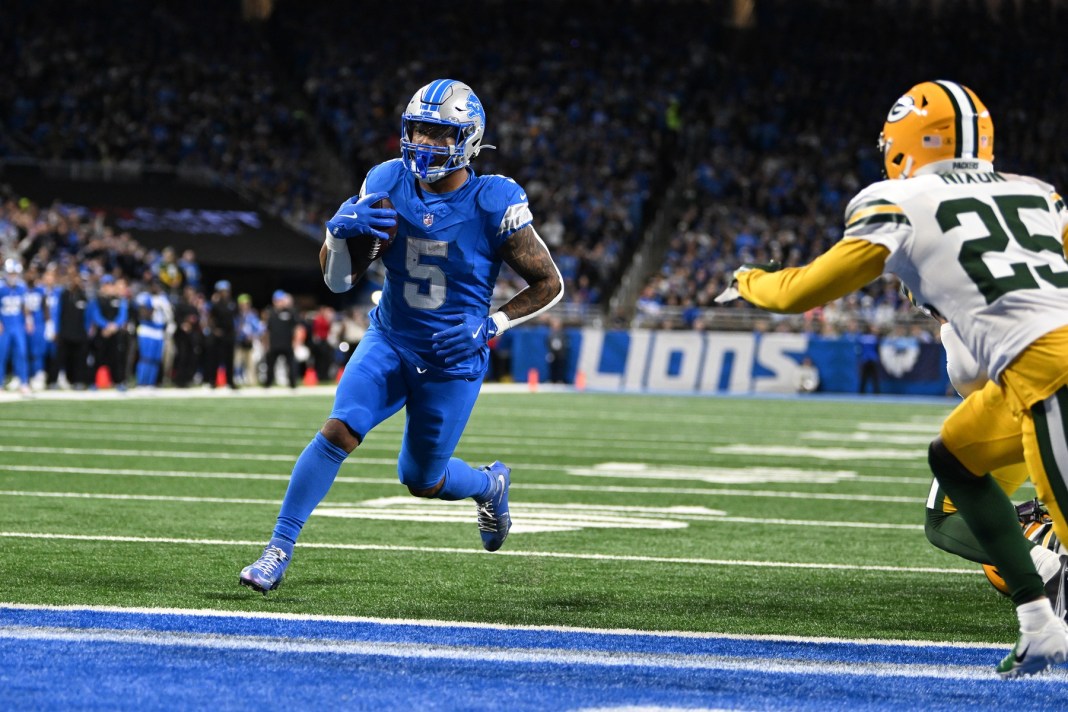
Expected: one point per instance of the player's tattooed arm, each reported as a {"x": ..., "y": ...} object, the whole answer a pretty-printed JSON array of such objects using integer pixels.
[{"x": 526, "y": 253}]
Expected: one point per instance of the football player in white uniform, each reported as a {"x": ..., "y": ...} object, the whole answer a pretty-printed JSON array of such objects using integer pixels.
[{"x": 986, "y": 249}]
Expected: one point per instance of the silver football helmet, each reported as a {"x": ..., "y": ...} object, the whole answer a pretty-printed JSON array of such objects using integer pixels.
[{"x": 443, "y": 109}]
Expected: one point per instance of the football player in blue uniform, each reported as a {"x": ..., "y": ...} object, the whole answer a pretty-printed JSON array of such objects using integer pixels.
[
  {"x": 155, "y": 317},
  {"x": 426, "y": 349},
  {"x": 15, "y": 324},
  {"x": 36, "y": 340}
]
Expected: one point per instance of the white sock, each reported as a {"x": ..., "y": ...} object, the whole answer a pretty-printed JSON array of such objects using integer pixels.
[
  {"x": 1035, "y": 615},
  {"x": 1046, "y": 561}
]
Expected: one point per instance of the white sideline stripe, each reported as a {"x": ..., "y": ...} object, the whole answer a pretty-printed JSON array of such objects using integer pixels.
[
  {"x": 528, "y": 509},
  {"x": 516, "y": 655},
  {"x": 433, "y": 623},
  {"x": 479, "y": 552}
]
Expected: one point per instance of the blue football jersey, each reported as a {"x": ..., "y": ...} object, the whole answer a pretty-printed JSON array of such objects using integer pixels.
[
  {"x": 35, "y": 300},
  {"x": 12, "y": 301},
  {"x": 443, "y": 262}
]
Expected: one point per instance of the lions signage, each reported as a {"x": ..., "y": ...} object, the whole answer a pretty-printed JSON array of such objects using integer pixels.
[{"x": 729, "y": 362}]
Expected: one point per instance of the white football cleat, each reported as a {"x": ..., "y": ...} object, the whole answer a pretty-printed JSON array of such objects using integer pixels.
[{"x": 1036, "y": 651}]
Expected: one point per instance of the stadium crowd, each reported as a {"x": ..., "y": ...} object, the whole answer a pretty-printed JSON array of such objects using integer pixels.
[
  {"x": 778, "y": 147},
  {"x": 601, "y": 109},
  {"x": 85, "y": 306}
]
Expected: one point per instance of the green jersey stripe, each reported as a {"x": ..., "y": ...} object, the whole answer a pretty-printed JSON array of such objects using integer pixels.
[
  {"x": 1043, "y": 423},
  {"x": 881, "y": 219}
]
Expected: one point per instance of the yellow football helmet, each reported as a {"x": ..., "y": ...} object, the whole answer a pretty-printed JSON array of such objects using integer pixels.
[
  {"x": 1038, "y": 527},
  {"x": 936, "y": 122}
]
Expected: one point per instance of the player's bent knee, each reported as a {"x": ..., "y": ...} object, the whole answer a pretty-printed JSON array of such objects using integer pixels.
[
  {"x": 945, "y": 465},
  {"x": 340, "y": 434},
  {"x": 427, "y": 492},
  {"x": 931, "y": 526}
]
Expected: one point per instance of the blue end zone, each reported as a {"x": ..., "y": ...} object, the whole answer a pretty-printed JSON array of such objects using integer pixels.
[{"x": 51, "y": 659}]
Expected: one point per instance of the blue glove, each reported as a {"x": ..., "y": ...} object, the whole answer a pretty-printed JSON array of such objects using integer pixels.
[
  {"x": 356, "y": 218},
  {"x": 465, "y": 339}
]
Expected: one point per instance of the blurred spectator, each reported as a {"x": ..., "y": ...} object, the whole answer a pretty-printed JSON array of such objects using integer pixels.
[
  {"x": 154, "y": 313},
  {"x": 222, "y": 320},
  {"x": 53, "y": 291},
  {"x": 868, "y": 359},
  {"x": 348, "y": 331},
  {"x": 321, "y": 347},
  {"x": 808, "y": 376},
  {"x": 72, "y": 337},
  {"x": 559, "y": 351},
  {"x": 109, "y": 315},
  {"x": 15, "y": 323},
  {"x": 169, "y": 272},
  {"x": 281, "y": 331},
  {"x": 190, "y": 269},
  {"x": 249, "y": 346},
  {"x": 37, "y": 339},
  {"x": 188, "y": 338}
]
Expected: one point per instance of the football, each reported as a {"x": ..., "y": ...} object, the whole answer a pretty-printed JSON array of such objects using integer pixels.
[
  {"x": 365, "y": 250},
  {"x": 387, "y": 203}
]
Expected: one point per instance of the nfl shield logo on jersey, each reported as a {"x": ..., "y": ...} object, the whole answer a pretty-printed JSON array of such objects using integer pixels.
[{"x": 428, "y": 219}]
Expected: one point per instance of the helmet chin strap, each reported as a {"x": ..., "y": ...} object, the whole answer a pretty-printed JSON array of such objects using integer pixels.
[{"x": 908, "y": 167}]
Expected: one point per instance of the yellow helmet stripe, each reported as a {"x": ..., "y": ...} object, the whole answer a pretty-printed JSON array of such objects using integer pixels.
[
  {"x": 1058, "y": 202},
  {"x": 966, "y": 120}
]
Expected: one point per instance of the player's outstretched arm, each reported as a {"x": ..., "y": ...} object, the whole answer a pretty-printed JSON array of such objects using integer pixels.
[
  {"x": 526, "y": 253},
  {"x": 844, "y": 268}
]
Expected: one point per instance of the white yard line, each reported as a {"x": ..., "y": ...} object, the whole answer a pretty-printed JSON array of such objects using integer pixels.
[
  {"x": 511, "y": 553},
  {"x": 417, "y": 509},
  {"x": 615, "y": 489}
]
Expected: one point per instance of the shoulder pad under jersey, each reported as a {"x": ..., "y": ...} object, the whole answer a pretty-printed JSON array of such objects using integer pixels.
[
  {"x": 384, "y": 177},
  {"x": 497, "y": 193}
]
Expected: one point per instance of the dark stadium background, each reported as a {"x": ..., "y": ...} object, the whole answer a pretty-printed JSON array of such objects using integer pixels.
[{"x": 661, "y": 143}]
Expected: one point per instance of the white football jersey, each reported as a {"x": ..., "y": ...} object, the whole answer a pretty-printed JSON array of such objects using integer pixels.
[{"x": 985, "y": 249}]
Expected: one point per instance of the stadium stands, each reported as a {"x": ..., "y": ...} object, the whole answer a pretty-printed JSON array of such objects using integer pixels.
[{"x": 607, "y": 112}]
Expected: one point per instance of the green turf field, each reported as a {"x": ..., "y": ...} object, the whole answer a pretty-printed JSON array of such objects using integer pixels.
[{"x": 692, "y": 514}]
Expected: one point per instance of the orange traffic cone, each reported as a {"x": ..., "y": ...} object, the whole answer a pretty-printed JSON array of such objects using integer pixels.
[
  {"x": 310, "y": 377},
  {"x": 580, "y": 380},
  {"x": 532, "y": 379},
  {"x": 220, "y": 377},
  {"x": 103, "y": 378}
]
